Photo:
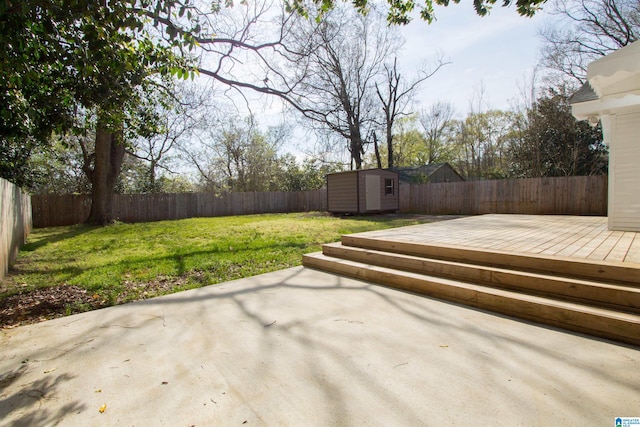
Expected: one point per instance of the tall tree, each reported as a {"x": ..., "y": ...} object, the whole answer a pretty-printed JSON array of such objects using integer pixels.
[
  {"x": 179, "y": 117},
  {"x": 555, "y": 144},
  {"x": 96, "y": 56},
  {"x": 395, "y": 97},
  {"x": 237, "y": 156},
  {"x": 482, "y": 138},
  {"x": 339, "y": 60},
  {"x": 436, "y": 121},
  {"x": 586, "y": 30},
  {"x": 99, "y": 58}
]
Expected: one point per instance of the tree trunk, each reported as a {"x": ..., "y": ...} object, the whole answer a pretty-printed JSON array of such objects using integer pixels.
[
  {"x": 109, "y": 153},
  {"x": 356, "y": 156},
  {"x": 377, "y": 151},
  {"x": 357, "y": 150},
  {"x": 390, "y": 163},
  {"x": 153, "y": 188}
]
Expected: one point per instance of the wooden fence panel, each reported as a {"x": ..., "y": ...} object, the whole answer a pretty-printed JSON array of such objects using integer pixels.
[
  {"x": 55, "y": 210},
  {"x": 579, "y": 195},
  {"x": 15, "y": 223},
  {"x": 537, "y": 196}
]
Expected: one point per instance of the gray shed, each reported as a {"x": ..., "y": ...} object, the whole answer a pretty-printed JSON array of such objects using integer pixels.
[{"x": 363, "y": 191}]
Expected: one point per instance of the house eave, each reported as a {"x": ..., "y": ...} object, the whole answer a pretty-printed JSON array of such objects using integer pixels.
[{"x": 611, "y": 104}]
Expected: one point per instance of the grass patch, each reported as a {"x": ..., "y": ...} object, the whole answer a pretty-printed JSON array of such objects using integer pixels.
[{"x": 127, "y": 262}]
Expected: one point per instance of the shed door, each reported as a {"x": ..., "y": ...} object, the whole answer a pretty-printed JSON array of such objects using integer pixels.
[{"x": 372, "y": 192}]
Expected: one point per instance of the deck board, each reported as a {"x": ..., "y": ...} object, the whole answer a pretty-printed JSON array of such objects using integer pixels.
[
  {"x": 549, "y": 235},
  {"x": 583, "y": 240},
  {"x": 603, "y": 250},
  {"x": 620, "y": 250},
  {"x": 633, "y": 254}
]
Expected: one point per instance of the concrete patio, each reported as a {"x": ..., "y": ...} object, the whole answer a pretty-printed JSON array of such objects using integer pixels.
[{"x": 304, "y": 347}]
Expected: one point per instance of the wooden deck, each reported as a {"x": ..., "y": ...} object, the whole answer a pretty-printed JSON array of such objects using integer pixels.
[
  {"x": 564, "y": 271},
  {"x": 581, "y": 237}
]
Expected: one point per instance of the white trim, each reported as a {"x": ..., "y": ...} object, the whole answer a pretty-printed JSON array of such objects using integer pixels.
[
  {"x": 625, "y": 60},
  {"x": 609, "y": 133},
  {"x": 607, "y": 105}
]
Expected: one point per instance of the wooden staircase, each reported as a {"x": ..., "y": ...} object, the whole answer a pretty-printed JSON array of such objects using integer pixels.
[{"x": 595, "y": 298}]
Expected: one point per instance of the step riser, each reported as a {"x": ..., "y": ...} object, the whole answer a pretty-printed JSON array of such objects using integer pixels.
[
  {"x": 609, "y": 328},
  {"x": 583, "y": 269},
  {"x": 620, "y": 299}
]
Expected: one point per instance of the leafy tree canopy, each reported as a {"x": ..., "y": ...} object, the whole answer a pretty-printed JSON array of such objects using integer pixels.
[
  {"x": 59, "y": 55},
  {"x": 400, "y": 10}
]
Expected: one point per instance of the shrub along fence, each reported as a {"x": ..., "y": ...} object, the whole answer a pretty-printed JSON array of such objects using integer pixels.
[
  {"x": 15, "y": 223},
  {"x": 585, "y": 195}
]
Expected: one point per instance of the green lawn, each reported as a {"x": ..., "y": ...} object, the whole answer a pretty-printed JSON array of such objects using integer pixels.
[{"x": 126, "y": 262}]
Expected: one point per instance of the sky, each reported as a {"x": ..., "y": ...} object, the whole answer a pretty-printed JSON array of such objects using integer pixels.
[{"x": 498, "y": 52}]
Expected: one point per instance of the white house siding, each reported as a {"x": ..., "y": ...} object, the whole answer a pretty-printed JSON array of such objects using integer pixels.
[{"x": 624, "y": 203}]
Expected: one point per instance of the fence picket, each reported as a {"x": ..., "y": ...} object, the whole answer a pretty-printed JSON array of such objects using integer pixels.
[{"x": 584, "y": 195}]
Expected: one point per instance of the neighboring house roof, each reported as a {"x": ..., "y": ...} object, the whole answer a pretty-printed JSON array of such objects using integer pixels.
[
  {"x": 584, "y": 94},
  {"x": 406, "y": 174}
]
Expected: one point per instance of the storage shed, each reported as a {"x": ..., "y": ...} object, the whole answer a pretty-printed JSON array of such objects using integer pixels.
[
  {"x": 363, "y": 191},
  {"x": 612, "y": 95}
]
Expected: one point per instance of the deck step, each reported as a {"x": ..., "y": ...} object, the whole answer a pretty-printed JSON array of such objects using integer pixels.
[
  {"x": 615, "y": 296},
  {"x": 600, "y": 271},
  {"x": 597, "y": 321}
]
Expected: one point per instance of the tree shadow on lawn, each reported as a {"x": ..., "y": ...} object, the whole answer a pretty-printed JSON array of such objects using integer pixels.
[
  {"x": 126, "y": 280},
  {"x": 181, "y": 270},
  {"x": 54, "y": 236}
]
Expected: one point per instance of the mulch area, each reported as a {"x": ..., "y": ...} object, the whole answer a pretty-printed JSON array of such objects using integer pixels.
[
  {"x": 45, "y": 303},
  {"x": 41, "y": 304}
]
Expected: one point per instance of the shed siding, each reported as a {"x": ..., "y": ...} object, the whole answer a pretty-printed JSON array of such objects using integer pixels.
[
  {"x": 342, "y": 191},
  {"x": 346, "y": 191},
  {"x": 388, "y": 202},
  {"x": 624, "y": 176}
]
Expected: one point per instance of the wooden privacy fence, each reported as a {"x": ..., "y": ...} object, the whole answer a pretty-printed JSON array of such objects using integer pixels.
[
  {"x": 15, "y": 223},
  {"x": 56, "y": 210},
  {"x": 583, "y": 195},
  {"x": 576, "y": 195}
]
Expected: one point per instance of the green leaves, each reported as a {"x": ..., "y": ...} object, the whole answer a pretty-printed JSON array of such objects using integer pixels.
[
  {"x": 400, "y": 10},
  {"x": 62, "y": 57}
]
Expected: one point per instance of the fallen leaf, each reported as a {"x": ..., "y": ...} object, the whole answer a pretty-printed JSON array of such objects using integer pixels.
[
  {"x": 103, "y": 408},
  {"x": 444, "y": 346}
]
